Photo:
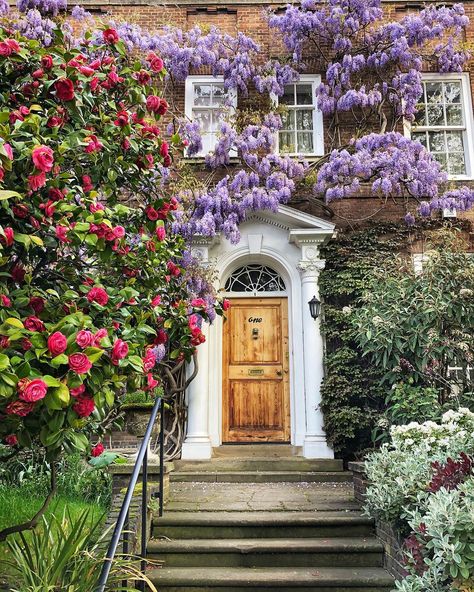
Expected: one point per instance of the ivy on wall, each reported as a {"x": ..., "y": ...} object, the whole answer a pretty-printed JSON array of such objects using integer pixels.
[{"x": 353, "y": 397}]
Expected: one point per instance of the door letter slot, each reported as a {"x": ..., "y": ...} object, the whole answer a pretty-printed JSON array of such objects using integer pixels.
[{"x": 255, "y": 333}]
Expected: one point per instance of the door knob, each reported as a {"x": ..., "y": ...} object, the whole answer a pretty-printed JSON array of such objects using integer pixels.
[{"x": 279, "y": 372}]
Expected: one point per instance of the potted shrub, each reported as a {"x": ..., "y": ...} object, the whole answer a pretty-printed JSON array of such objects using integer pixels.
[{"x": 136, "y": 407}]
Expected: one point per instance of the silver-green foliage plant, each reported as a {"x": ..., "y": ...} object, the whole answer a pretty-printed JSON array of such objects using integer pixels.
[{"x": 421, "y": 323}]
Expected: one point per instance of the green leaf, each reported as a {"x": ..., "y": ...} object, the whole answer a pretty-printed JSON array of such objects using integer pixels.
[
  {"x": 4, "y": 362},
  {"x": 59, "y": 360},
  {"x": 6, "y": 194},
  {"x": 61, "y": 395},
  {"x": 105, "y": 459},
  {"x": 94, "y": 353},
  {"x": 51, "y": 381},
  {"x": 14, "y": 322}
]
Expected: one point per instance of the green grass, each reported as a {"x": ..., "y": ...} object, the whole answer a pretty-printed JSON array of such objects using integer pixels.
[{"x": 17, "y": 506}]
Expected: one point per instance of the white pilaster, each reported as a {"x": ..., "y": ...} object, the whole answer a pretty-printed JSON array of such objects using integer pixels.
[
  {"x": 315, "y": 444},
  {"x": 197, "y": 445}
]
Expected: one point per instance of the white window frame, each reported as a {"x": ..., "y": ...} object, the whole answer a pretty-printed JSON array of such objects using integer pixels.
[
  {"x": 318, "y": 124},
  {"x": 189, "y": 97},
  {"x": 466, "y": 99}
]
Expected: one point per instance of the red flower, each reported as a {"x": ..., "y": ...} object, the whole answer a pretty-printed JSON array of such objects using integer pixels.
[
  {"x": 143, "y": 77},
  {"x": 8, "y": 237},
  {"x": 119, "y": 231},
  {"x": 87, "y": 183},
  {"x": 38, "y": 74},
  {"x": 198, "y": 302},
  {"x": 9, "y": 46},
  {"x": 34, "y": 391},
  {"x": 164, "y": 149},
  {"x": 4, "y": 342},
  {"x": 84, "y": 406},
  {"x": 160, "y": 233},
  {"x": 8, "y": 149},
  {"x": 173, "y": 268},
  {"x": 61, "y": 234},
  {"x": 35, "y": 182},
  {"x": 84, "y": 338},
  {"x": 101, "y": 333},
  {"x": 11, "y": 440},
  {"x": 98, "y": 295},
  {"x": 76, "y": 392},
  {"x": 151, "y": 382},
  {"x": 26, "y": 344},
  {"x": 149, "y": 360},
  {"x": 93, "y": 144},
  {"x": 20, "y": 211},
  {"x": 122, "y": 119},
  {"x": 56, "y": 194},
  {"x": 153, "y": 103},
  {"x": 18, "y": 273},
  {"x": 79, "y": 363},
  {"x": 54, "y": 121},
  {"x": 57, "y": 343},
  {"x": 34, "y": 324},
  {"x": 47, "y": 62},
  {"x": 110, "y": 36},
  {"x": 21, "y": 408},
  {"x": 94, "y": 83},
  {"x": 161, "y": 337},
  {"x": 97, "y": 450},
  {"x": 156, "y": 301},
  {"x": 119, "y": 351},
  {"x": 37, "y": 304},
  {"x": 2, "y": 174},
  {"x": 64, "y": 89},
  {"x": 86, "y": 70},
  {"x": 151, "y": 213},
  {"x": 226, "y": 304},
  {"x": 43, "y": 158},
  {"x": 156, "y": 63},
  {"x": 5, "y": 301}
]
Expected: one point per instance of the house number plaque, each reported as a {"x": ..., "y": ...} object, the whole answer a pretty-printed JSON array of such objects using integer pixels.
[{"x": 255, "y": 371}]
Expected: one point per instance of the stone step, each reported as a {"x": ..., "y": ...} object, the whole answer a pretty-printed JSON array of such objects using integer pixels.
[
  {"x": 228, "y": 579},
  {"x": 261, "y": 476},
  {"x": 257, "y": 525},
  {"x": 322, "y": 552},
  {"x": 258, "y": 464},
  {"x": 256, "y": 450}
]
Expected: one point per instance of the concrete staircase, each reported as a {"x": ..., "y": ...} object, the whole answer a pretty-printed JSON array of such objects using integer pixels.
[{"x": 324, "y": 545}]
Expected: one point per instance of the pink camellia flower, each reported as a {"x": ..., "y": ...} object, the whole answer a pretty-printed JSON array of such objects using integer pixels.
[
  {"x": 47, "y": 62},
  {"x": 86, "y": 71},
  {"x": 8, "y": 237},
  {"x": 156, "y": 301},
  {"x": 38, "y": 74},
  {"x": 79, "y": 390},
  {"x": 96, "y": 207},
  {"x": 93, "y": 144},
  {"x": 101, "y": 333},
  {"x": 119, "y": 351},
  {"x": 226, "y": 304},
  {"x": 18, "y": 273},
  {"x": 143, "y": 77},
  {"x": 33, "y": 391},
  {"x": 122, "y": 119},
  {"x": 20, "y": 408},
  {"x": 87, "y": 183},
  {"x": 151, "y": 382},
  {"x": 99, "y": 295},
  {"x": 97, "y": 450},
  {"x": 151, "y": 213},
  {"x": 153, "y": 103},
  {"x": 110, "y": 36},
  {"x": 34, "y": 324},
  {"x": 79, "y": 363},
  {"x": 5, "y": 301},
  {"x": 198, "y": 302},
  {"x": 163, "y": 108},
  {"x": 2, "y": 174},
  {"x": 84, "y": 406},
  {"x": 37, "y": 304},
  {"x": 173, "y": 268},
  {"x": 84, "y": 338},
  {"x": 26, "y": 344},
  {"x": 11, "y": 440},
  {"x": 43, "y": 158},
  {"x": 56, "y": 194},
  {"x": 161, "y": 337},
  {"x": 9, "y": 46},
  {"x": 149, "y": 360},
  {"x": 57, "y": 343},
  {"x": 61, "y": 234},
  {"x": 156, "y": 63},
  {"x": 164, "y": 149},
  {"x": 4, "y": 342},
  {"x": 20, "y": 211},
  {"x": 35, "y": 182},
  {"x": 119, "y": 231},
  {"x": 64, "y": 89},
  {"x": 160, "y": 233},
  {"x": 6, "y": 146}
]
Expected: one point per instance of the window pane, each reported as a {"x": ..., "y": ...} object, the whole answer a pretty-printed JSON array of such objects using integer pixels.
[
  {"x": 454, "y": 142},
  {"x": 203, "y": 117},
  {"x": 441, "y": 158},
  {"x": 434, "y": 92},
  {"x": 288, "y": 120},
  {"x": 456, "y": 164},
  {"x": 304, "y": 94},
  {"x": 304, "y": 119},
  {"x": 435, "y": 114},
  {"x": 421, "y": 137},
  {"x": 437, "y": 142},
  {"x": 454, "y": 115},
  {"x": 288, "y": 97},
  {"x": 219, "y": 94},
  {"x": 202, "y": 94},
  {"x": 217, "y": 117},
  {"x": 452, "y": 92},
  {"x": 420, "y": 116},
  {"x": 287, "y": 142},
  {"x": 305, "y": 142}
]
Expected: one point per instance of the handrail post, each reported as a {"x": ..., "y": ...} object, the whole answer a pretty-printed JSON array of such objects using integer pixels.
[
  {"x": 144, "y": 508},
  {"x": 162, "y": 458}
]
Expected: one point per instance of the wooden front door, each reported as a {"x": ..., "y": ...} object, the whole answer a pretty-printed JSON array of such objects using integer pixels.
[{"x": 256, "y": 405}]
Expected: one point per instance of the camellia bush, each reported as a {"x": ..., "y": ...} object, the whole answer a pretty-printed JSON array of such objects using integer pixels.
[{"x": 94, "y": 294}]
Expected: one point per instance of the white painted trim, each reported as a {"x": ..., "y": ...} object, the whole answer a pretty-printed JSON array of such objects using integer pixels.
[
  {"x": 318, "y": 124},
  {"x": 468, "y": 135},
  {"x": 189, "y": 96}
]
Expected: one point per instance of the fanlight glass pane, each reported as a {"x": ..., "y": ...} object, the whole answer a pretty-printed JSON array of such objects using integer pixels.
[{"x": 255, "y": 278}]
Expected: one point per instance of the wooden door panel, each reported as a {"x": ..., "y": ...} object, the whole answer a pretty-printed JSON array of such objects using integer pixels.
[{"x": 255, "y": 371}]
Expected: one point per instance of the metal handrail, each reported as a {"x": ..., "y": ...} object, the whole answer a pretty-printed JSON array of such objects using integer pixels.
[{"x": 123, "y": 517}]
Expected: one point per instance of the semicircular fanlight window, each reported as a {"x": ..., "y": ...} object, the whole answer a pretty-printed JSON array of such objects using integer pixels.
[{"x": 255, "y": 278}]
